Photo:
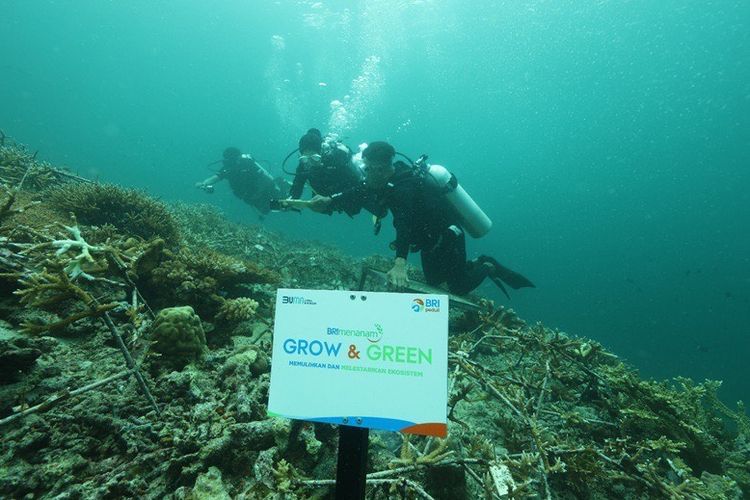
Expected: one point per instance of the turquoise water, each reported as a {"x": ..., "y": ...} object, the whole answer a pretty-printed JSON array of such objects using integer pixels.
[{"x": 608, "y": 140}]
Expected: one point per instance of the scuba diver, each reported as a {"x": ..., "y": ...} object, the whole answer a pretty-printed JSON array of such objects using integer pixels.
[
  {"x": 248, "y": 180},
  {"x": 326, "y": 164},
  {"x": 430, "y": 213}
]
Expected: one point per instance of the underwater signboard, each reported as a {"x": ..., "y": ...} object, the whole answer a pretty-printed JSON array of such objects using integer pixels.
[{"x": 365, "y": 359}]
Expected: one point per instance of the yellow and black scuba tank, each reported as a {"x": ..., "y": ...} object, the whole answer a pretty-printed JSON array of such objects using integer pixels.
[{"x": 472, "y": 217}]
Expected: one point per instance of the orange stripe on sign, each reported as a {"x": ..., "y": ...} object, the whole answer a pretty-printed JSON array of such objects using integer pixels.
[{"x": 432, "y": 429}]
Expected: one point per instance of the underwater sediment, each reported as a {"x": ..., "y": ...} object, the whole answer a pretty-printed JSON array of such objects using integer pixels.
[{"x": 135, "y": 345}]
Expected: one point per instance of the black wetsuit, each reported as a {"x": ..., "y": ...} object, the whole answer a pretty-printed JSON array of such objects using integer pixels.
[
  {"x": 334, "y": 174},
  {"x": 425, "y": 222},
  {"x": 251, "y": 183}
]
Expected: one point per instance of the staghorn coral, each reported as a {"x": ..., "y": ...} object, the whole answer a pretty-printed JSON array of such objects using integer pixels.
[
  {"x": 46, "y": 290},
  {"x": 582, "y": 423},
  {"x": 17, "y": 163},
  {"x": 410, "y": 455},
  {"x": 130, "y": 211},
  {"x": 74, "y": 267},
  {"x": 48, "y": 266}
]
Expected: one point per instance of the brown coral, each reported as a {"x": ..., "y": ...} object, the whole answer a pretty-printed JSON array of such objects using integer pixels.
[
  {"x": 236, "y": 310},
  {"x": 130, "y": 211},
  {"x": 200, "y": 278},
  {"x": 28, "y": 215},
  {"x": 177, "y": 335}
]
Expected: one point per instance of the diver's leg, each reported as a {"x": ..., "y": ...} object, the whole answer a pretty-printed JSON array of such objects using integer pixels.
[
  {"x": 462, "y": 276},
  {"x": 432, "y": 267}
]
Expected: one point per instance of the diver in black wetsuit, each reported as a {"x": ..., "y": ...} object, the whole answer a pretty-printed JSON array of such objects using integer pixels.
[
  {"x": 248, "y": 180},
  {"x": 328, "y": 167},
  {"x": 424, "y": 222}
]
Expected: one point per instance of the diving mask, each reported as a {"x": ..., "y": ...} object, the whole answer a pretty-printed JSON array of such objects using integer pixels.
[{"x": 313, "y": 159}]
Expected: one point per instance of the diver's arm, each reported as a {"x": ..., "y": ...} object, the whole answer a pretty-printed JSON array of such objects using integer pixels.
[
  {"x": 352, "y": 197},
  {"x": 402, "y": 209},
  {"x": 319, "y": 204},
  {"x": 208, "y": 182},
  {"x": 402, "y": 223},
  {"x": 339, "y": 202},
  {"x": 298, "y": 184}
]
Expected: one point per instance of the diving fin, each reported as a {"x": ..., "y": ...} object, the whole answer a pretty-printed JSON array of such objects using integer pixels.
[
  {"x": 509, "y": 277},
  {"x": 500, "y": 285}
]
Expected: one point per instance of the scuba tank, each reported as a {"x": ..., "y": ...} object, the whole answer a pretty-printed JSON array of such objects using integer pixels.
[
  {"x": 472, "y": 218},
  {"x": 260, "y": 170},
  {"x": 341, "y": 157},
  {"x": 357, "y": 161}
]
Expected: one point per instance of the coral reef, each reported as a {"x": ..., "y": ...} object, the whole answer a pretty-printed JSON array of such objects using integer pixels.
[
  {"x": 200, "y": 277},
  {"x": 209, "y": 486},
  {"x": 130, "y": 211},
  {"x": 17, "y": 356},
  {"x": 236, "y": 310},
  {"x": 19, "y": 166},
  {"x": 533, "y": 412},
  {"x": 297, "y": 263},
  {"x": 177, "y": 335}
]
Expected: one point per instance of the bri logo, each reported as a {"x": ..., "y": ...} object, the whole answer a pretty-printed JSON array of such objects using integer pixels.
[
  {"x": 288, "y": 299},
  {"x": 426, "y": 305},
  {"x": 373, "y": 336}
]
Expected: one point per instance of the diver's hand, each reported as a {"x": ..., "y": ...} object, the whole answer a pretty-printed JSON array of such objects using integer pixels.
[
  {"x": 397, "y": 275},
  {"x": 319, "y": 203}
]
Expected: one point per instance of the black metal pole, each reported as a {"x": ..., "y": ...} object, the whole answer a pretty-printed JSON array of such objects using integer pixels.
[
  {"x": 352, "y": 463},
  {"x": 351, "y": 467}
]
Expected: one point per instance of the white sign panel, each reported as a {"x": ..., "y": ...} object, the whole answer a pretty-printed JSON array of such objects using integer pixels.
[{"x": 366, "y": 359}]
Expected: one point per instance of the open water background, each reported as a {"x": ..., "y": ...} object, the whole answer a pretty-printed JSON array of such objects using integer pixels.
[{"x": 608, "y": 140}]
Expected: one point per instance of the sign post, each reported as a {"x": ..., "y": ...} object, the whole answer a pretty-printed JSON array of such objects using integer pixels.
[
  {"x": 362, "y": 360},
  {"x": 351, "y": 469}
]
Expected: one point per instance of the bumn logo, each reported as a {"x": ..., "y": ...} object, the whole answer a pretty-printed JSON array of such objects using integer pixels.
[{"x": 288, "y": 299}]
